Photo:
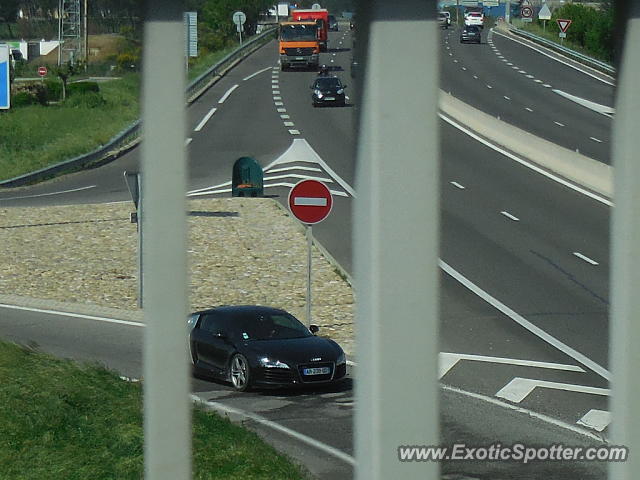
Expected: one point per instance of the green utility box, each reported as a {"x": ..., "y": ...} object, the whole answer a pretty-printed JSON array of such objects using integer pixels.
[{"x": 247, "y": 178}]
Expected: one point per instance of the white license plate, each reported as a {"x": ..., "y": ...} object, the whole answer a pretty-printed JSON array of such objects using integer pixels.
[
  {"x": 316, "y": 371},
  {"x": 329, "y": 98},
  {"x": 299, "y": 58}
]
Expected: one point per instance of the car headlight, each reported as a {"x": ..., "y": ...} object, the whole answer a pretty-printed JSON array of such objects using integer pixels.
[
  {"x": 318, "y": 94},
  {"x": 342, "y": 358},
  {"x": 268, "y": 363},
  {"x": 340, "y": 92}
]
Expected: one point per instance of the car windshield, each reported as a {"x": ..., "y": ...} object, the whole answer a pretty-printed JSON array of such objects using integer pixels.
[
  {"x": 298, "y": 32},
  {"x": 327, "y": 83},
  {"x": 268, "y": 326}
]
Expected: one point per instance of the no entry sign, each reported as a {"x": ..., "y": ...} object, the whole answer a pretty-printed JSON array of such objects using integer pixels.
[{"x": 310, "y": 201}]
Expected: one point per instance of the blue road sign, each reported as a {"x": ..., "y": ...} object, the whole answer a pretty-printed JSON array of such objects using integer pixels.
[{"x": 5, "y": 97}]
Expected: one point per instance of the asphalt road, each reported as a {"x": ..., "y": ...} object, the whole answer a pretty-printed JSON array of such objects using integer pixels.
[{"x": 505, "y": 228}]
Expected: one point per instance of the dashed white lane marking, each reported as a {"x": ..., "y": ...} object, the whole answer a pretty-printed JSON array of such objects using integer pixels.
[
  {"x": 509, "y": 216},
  {"x": 451, "y": 54},
  {"x": 280, "y": 428},
  {"x": 464, "y": 68},
  {"x": 507, "y": 98},
  {"x": 278, "y": 104},
  {"x": 559, "y": 124},
  {"x": 596, "y": 419},
  {"x": 188, "y": 141},
  {"x": 48, "y": 195},
  {"x": 205, "y": 120},
  {"x": 489, "y": 86},
  {"x": 538, "y": 81},
  {"x": 515, "y": 67},
  {"x": 475, "y": 76},
  {"x": 275, "y": 92},
  {"x": 595, "y": 139},
  {"x": 509, "y": 63},
  {"x": 276, "y": 97},
  {"x": 275, "y": 81},
  {"x": 294, "y": 132},
  {"x": 530, "y": 76},
  {"x": 546, "y": 85},
  {"x": 289, "y": 124},
  {"x": 528, "y": 109},
  {"x": 457, "y": 185},
  {"x": 585, "y": 258},
  {"x": 455, "y": 61},
  {"x": 256, "y": 73},
  {"x": 522, "y": 72},
  {"x": 285, "y": 117},
  {"x": 281, "y": 110},
  {"x": 226, "y": 95}
]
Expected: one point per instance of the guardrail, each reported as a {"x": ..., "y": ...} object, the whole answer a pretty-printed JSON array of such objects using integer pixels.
[
  {"x": 592, "y": 62},
  {"x": 130, "y": 136}
]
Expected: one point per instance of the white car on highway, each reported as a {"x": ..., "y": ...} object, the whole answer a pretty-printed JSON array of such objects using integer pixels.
[{"x": 474, "y": 18}]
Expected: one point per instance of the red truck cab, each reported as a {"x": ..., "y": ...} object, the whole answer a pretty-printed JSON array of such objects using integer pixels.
[{"x": 321, "y": 17}]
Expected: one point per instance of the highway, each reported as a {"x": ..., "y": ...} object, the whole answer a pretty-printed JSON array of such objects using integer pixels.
[{"x": 521, "y": 240}]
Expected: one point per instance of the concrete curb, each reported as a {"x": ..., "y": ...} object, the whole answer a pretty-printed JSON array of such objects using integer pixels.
[{"x": 572, "y": 166}]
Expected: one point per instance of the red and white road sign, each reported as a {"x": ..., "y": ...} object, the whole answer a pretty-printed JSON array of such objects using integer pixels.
[
  {"x": 42, "y": 71},
  {"x": 564, "y": 23},
  {"x": 526, "y": 12},
  {"x": 310, "y": 201}
]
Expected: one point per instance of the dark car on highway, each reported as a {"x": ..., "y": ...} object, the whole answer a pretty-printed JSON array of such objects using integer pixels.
[
  {"x": 328, "y": 91},
  {"x": 254, "y": 346},
  {"x": 470, "y": 34}
]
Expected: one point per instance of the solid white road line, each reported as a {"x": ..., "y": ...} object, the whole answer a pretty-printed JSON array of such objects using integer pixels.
[
  {"x": 73, "y": 315},
  {"x": 256, "y": 73},
  {"x": 527, "y": 164},
  {"x": 220, "y": 407},
  {"x": 205, "y": 120},
  {"x": 596, "y": 419},
  {"x": 79, "y": 189},
  {"x": 519, "y": 388},
  {"x": 298, "y": 176},
  {"x": 585, "y": 258},
  {"x": 526, "y": 324},
  {"x": 335, "y": 193},
  {"x": 446, "y": 361},
  {"x": 596, "y": 107},
  {"x": 457, "y": 185},
  {"x": 294, "y": 167},
  {"x": 226, "y": 95},
  {"x": 595, "y": 139},
  {"x": 508, "y": 215}
]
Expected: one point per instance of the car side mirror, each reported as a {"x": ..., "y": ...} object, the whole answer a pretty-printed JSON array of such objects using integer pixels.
[{"x": 314, "y": 329}]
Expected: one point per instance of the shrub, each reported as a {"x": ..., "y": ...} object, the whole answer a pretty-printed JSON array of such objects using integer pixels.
[
  {"x": 82, "y": 88},
  {"x": 54, "y": 90},
  {"x": 23, "y": 99}
]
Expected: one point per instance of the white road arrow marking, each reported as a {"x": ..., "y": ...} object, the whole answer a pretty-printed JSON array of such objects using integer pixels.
[{"x": 519, "y": 388}]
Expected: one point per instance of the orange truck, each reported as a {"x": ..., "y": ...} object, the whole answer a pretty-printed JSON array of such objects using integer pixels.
[
  {"x": 298, "y": 45},
  {"x": 321, "y": 17}
]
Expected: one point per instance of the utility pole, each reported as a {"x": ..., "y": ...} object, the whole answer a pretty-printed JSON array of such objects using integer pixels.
[{"x": 86, "y": 35}]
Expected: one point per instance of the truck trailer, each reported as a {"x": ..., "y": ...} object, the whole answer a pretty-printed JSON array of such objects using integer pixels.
[{"x": 321, "y": 17}]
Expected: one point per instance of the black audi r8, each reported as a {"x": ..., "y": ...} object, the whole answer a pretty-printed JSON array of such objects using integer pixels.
[{"x": 254, "y": 346}]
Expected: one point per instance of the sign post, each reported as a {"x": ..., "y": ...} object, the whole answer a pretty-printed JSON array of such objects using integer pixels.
[
  {"x": 133, "y": 185},
  {"x": 563, "y": 24},
  {"x": 5, "y": 95},
  {"x": 310, "y": 201},
  {"x": 239, "y": 18}
]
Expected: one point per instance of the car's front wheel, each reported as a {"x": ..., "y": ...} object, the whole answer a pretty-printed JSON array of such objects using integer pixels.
[{"x": 240, "y": 373}]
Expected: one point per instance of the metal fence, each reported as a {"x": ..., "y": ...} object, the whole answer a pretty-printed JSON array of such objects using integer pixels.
[{"x": 130, "y": 136}]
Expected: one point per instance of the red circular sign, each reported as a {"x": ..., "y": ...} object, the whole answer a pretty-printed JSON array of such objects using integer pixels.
[
  {"x": 310, "y": 201},
  {"x": 527, "y": 12},
  {"x": 42, "y": 71}
]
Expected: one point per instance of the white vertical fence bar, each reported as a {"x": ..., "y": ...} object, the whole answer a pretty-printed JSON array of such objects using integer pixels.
[
  {"x": 396, "y": 221},
  {"x": 163, "y": 215},
  {"x": 624, "y": 343}
]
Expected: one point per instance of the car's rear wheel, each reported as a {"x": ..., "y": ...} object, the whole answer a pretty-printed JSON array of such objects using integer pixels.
[{"x": 240, "y": 373}]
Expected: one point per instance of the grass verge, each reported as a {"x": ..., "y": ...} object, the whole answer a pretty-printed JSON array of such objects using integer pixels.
[{"x": 62, "y": 420}]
